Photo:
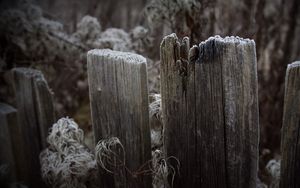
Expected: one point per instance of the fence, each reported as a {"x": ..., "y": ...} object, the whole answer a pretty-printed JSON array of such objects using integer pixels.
[
  {"x": 119, "y": 105},
  {"x": 27, "y": 125},
  {"x": 209, "y": 114},
  {"x": 290, "y": 144},
  {"x": 210, "y": 110}
]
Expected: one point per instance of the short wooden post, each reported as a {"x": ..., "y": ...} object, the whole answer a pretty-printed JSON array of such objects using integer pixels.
[
  {"x": 34, "y": 102},
  {"x": 290, "y": 141},
  {"x": 8, "y": 123},
  {"x": 119, "y": 105},
  {"x": 210, "y": 111}
]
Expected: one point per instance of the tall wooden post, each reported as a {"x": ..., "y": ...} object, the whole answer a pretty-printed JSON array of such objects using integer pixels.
[
  {"x": 210, "y": 111},
  {"x": 8, "y": 149},
  {"x": 34, "y": 102},
  {"x": 119, "y": 105},
  {"x": 290, "y": 141}
]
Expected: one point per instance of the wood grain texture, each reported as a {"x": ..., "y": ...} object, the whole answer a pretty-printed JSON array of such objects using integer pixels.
[
  {"x": 290, "y": 144},
  {"x": 119, "y": 105},
  {"x": 210, "y": 111},
  {"x": 34, "y": 102},
  {"x": 8, "y": 117}
]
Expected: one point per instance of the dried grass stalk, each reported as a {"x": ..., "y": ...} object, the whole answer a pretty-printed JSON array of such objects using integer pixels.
[{"x": 110, "y": 154}]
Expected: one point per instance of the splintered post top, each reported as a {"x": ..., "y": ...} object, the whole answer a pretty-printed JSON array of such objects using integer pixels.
[
  {"x": 229, "y": 39},
  {"x": 206, "y": 50}
]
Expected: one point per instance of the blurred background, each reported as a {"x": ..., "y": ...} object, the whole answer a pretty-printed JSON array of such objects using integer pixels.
[{"x": 54, "y": 36}]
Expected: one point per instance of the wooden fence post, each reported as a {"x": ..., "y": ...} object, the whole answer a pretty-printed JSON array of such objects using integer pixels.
[
  {"x": 119, "y": 105},
  {"x": 8, "y": 123},
  {"x": 34, "y": 102},
  {"x": 290, "y": 141},
  {"x": 210, "y": 111}
]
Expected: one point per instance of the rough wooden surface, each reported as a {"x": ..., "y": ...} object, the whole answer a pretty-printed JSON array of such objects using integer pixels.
[
  {"x": 290, "y": 144},
  {"x": 8, "y": 117},
  {"x": 210, "y": 111},
  {"x": 119, "y": 105},
  {"x": 34, "y": 102}
]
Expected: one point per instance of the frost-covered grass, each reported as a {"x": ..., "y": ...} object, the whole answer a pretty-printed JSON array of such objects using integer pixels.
[{"x": 67, "y": 162}]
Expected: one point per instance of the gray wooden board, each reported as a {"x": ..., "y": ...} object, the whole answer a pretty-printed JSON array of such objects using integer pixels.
[
  {"x": 210, "y": 111},
  {"x": 34, "y": 102},
  {"x": 290, "y": 141},
  {"x": 119, "y": 105},
  {"x": 8, "y": 118}
]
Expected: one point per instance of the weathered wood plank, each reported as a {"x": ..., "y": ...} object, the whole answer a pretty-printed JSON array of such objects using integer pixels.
[
  {"x": 119, "y": 105},
  {"x": 44, "y": 107},
  {"x": 34, "y": 102},
  {"x": 239, "y": 74},
  {"x": 8, "y": 120},
  {"x": 210, "y": 111},
  {"x": 290, "y": 141}
]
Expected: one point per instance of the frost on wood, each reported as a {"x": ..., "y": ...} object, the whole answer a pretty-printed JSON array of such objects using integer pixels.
[
  {"x": 35, "y": 114},
  {"x": 290, "y": 145},
  {"x": 119, "y": 105},
  {"x": 38, "y": 114},
  {"x": 67, "y": 162},
  {"x": 209, "y": 106},
  {"x": 111, "y": 54}
]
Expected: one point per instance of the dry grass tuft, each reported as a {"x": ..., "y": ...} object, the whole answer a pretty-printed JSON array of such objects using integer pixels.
[
  {"x": 107, "y": 156},
  {"x": 163, "y": 169},
  {"x": 67, "y": 162}
]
